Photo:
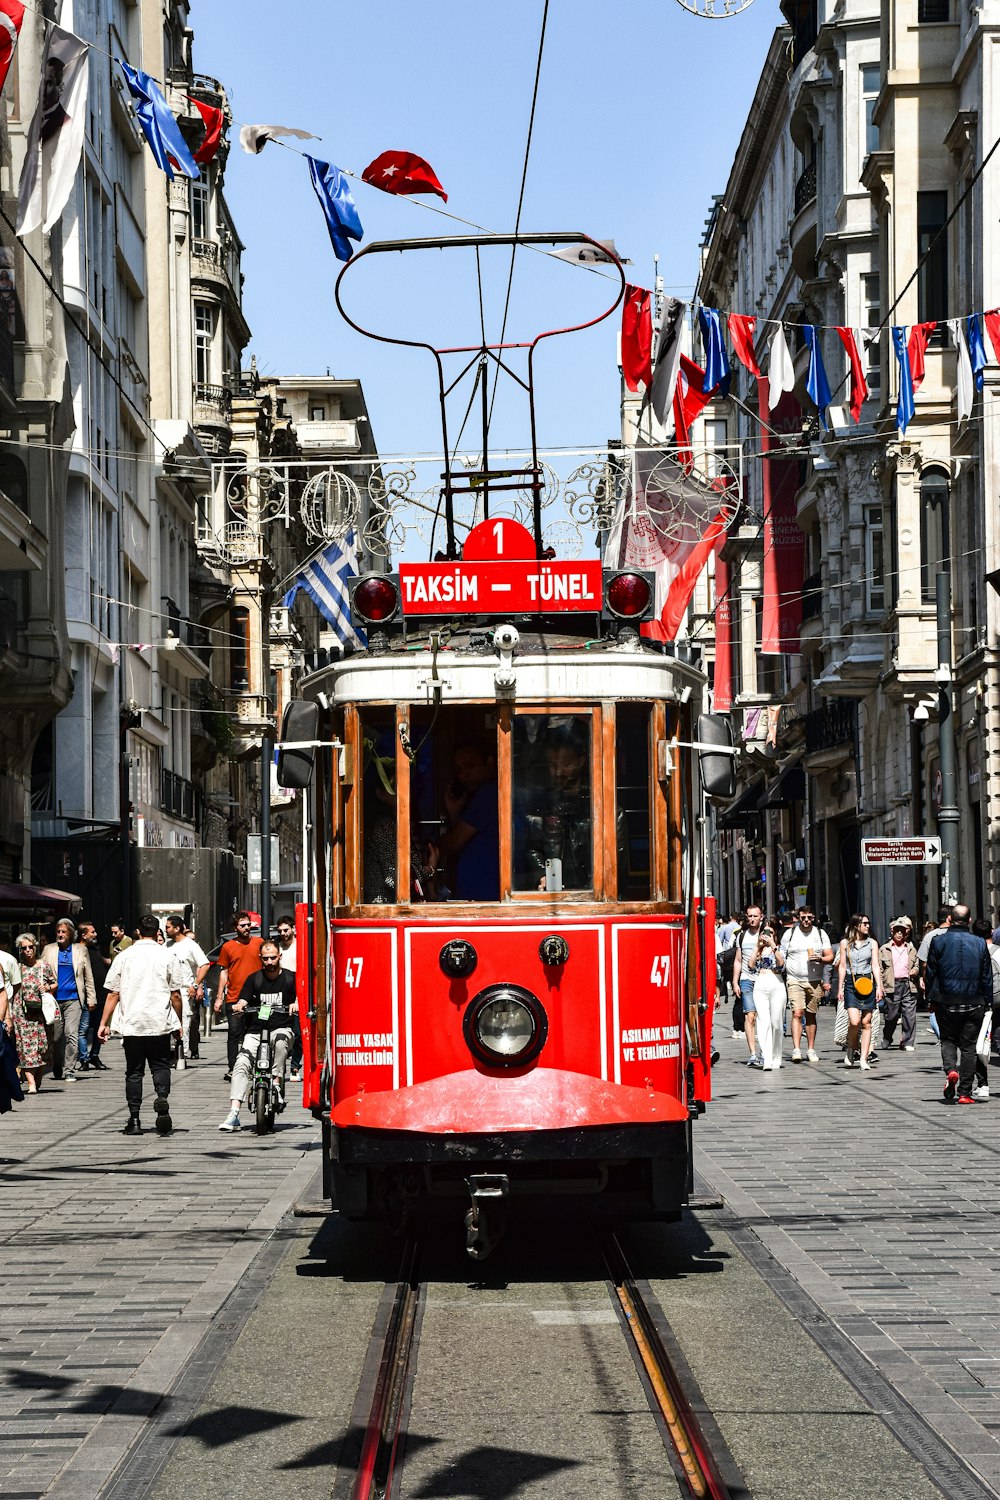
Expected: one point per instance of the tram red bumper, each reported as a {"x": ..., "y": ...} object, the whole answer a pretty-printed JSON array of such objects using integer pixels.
[{"x": 482, "y": 1103}]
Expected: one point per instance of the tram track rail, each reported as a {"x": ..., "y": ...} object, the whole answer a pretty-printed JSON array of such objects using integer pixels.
[
  {"x": 385, "y": 1425},
  {"x": 665, "y": 1386}
]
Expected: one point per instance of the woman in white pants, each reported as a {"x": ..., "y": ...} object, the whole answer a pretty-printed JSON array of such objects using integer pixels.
[{"x": 769, "y": 997}]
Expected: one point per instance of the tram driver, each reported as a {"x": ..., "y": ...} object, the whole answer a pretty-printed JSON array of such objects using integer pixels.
[
  {"x": 473, "y": 833},
  {"x": 555, "y": 832}
]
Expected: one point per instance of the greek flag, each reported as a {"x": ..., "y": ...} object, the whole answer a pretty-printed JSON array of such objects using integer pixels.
[{"x": 325, "y": 581}]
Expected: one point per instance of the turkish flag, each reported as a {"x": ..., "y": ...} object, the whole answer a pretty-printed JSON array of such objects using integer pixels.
[
  {"x": 214, "y": 122},
  {"x": 859, "y": 385},
  {"x": 402, "y": 172},
  {"x": 11, "y": 16},
  {"x": 741, "y": 331},
  {"x": 637, "y": 338}
]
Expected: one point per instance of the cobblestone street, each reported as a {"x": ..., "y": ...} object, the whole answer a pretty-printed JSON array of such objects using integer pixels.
[
  {"x": 880, "y": 1202},
  {"x": 117, "y": 1253}
]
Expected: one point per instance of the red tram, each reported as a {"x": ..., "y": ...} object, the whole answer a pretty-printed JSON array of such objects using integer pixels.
[{"x": 511, "y": 993}]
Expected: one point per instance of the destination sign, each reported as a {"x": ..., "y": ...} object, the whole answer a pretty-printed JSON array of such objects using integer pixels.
[
  {"x": 925, "y": 851},
  {"x": 521, "y": 587}
]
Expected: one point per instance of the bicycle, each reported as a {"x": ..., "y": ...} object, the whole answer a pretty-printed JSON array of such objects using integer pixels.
[{"x": 267, "y": 1091}]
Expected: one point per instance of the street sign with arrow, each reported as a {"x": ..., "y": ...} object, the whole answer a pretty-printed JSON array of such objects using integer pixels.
[{"x": 922, "y": 851}]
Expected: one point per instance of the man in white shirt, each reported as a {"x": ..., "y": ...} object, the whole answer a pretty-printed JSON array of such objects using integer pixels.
[
  {"x": 807, "y": 950},
  {"x": 144, "y": 987},
  {"x": 10, "y": 974},
  {"x": 189, "y": 953}
]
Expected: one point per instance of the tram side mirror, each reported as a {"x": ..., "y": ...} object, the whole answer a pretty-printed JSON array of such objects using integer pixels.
[
  {"x": 299, "y": 722},
  {"x": 718, "y": 771}
]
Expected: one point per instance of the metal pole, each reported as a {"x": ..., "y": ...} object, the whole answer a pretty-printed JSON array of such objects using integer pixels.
[
  {"x": 947, "y": 817},
  {"x": 265, "y": 837}
]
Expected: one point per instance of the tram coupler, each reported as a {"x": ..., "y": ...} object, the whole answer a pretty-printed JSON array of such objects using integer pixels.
[{"x": 486, "y": 1218}]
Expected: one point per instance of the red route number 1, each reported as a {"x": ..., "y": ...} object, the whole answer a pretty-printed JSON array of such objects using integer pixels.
[{"x": 502, "y": 540}]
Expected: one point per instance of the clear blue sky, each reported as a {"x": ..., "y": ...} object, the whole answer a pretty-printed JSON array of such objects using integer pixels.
[{"x": 639, "y": 114}]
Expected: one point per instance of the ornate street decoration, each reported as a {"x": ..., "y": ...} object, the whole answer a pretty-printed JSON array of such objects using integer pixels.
[
  {"x": 330, "y": 506},
  {"x": 714, "y": 10}
]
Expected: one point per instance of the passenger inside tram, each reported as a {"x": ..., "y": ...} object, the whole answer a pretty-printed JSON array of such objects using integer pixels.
[
  {"x": 472, "y": 835},
  {"x": 553, "y": 833},
  {"x": 379, "y": 844}
]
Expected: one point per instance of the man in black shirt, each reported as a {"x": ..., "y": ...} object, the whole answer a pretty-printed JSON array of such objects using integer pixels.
[{"x": 272, "y": 991}]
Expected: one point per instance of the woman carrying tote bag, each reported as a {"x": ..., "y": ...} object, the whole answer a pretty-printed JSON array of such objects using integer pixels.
[{"x": 861, "y": 986}]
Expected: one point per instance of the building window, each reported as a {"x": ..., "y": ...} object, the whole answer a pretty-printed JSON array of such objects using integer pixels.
[
  {"x": 871, "y": 78},
  {"x": 934, "y": 549},
  {"x": 872, "y": 294},
  {"x": 199, "y": 209},
  {"x": 317, "y": 413},
  {"x": 716, "y": 434},
  {"x": 933, "y": 10},
  {"x": 204, "y": 329},
  {"x": 932, "y": 283},
  {"x": 874, "y": 561}
]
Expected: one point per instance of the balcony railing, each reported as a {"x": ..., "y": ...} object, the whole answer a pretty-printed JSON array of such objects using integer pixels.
[
  {"x": 188, "y": 632},
  {"x": 215, "y": 396},
  {"x": 805, "y": 188},
  {"x": 831, "y": 725},
  {"x": 178, "y": 797},
  {"x": 812, "y": 597}
]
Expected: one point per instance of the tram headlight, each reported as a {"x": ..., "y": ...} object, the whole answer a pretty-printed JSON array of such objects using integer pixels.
[
  {"x": 374, "y": 598},
  {"x": 505, "y": 1026},
  {"x": 628, "y": 595}
]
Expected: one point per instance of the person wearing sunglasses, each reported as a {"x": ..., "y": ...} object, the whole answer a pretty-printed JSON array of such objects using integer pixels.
[
  {"x": 238, "y": 959},
  {"x": 861, "y": 987}
]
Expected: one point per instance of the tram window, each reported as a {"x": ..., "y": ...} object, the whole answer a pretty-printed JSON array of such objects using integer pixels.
[
  {"x": 453, "y": 794},
  {"x": 378, "y": 807},
  {"x": 551, "y": 801},
  {"x": 632, "y": 802}
]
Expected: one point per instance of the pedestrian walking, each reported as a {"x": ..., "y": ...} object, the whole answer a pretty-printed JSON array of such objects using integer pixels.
[
  {"x": 806, "y": 949},
  {"x": 144, "y": 1003},
  {"x": 190, "y": 954},
  {"x": 238, "y": 959},
  {"x": 74, "y": 992},
  {"x": 31, "y": 1034},
  {"x": 981, "y": 927},
  {"x": 900, "y": 967},
  {"x": 769, "y": 997},
  {"x": 11, "y": 1092},
  {"x": 861, "y": 987},
  {"x": 90, "y": 1019},
  {"x": 120, "y": 940},
  {"x": 959, "y": 980},
  {"x": 743, "y": 979}
]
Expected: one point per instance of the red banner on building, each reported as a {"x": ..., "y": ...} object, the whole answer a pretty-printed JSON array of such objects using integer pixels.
[
  {"x": 784, "y": 543},
  {"x": 722, "y": 686}
]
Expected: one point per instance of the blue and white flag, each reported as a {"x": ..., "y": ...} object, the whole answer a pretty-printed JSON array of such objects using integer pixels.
[
  {"x": 977, "y": 350},
  {"x": 161, "y": 130},
  {"x": 337, "y": 203},
  {"x": 817, "y": 385},
  {"x": 716, "y": 358},
  {"x": 905, "y": 404},
  {"x": 325, "y": 581}
]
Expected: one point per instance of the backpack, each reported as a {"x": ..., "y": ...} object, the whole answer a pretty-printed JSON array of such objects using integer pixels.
[{"x": 727, "y": 961}]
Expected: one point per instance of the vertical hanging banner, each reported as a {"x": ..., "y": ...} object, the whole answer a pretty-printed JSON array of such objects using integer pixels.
[
  {"x": 784, "y": 543},
  {"x": 722, "y": 685},
  {"x": 55, "y": 136}
]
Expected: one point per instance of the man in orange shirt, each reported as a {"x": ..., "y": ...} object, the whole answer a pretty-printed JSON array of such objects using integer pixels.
[{"x": 238, "y": 959}]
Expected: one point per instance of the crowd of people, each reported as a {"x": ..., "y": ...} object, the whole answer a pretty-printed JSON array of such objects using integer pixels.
[
  {"x": 779, "y": 971},
  {"x": 62, "y": 1002}
]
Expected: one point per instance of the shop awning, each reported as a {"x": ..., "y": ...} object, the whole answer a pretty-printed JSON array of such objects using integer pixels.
[
  {"x": 38, "y": 900},
  {"x": 746, "y": 807},
  {"x": 787, "y": 787}
]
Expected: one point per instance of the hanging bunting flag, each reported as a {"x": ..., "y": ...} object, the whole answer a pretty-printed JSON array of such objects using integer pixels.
[
  {"x": 920, "y": 337},
  {"x": 904, "y": 401},
  {"x": 716, "y": 359},
  {"x": 403, "y": 173},
  {"x": 780, "y": 369},
  {"x": 55, "y": 136},
  {"x": 338, "y": 206},
  {"x": 668, "y": 358},
  {"x": 11, "y": 16},
  {"x": 690, "y": 400},
  {"x": 215, "y": 122},
  {"x": 162, "y": 132},
  {"x": 851, "y": 340},
  {"x": 977, "y": 349},
  {"x": 253, "y": 138},
  {"x": 590, "y": 255},
  {"x": 817, "y": 385},
  {"x": 966, "y": 391},
  {"x": 992, "y": 321},
  {"x": 741, "y": 331},
  {"x": 637, "y": 338}
]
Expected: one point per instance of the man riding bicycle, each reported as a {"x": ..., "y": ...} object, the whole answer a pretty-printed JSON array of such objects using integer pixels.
[{"x": 266, "y": 1001}]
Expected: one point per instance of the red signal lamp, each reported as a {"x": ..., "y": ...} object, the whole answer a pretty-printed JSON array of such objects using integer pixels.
[
  {"x": 375, "y": 600},
  {"x": 628, "y": 596}
]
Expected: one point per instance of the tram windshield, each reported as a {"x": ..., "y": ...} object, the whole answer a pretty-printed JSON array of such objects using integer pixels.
[{"x": 551, "y": 803}]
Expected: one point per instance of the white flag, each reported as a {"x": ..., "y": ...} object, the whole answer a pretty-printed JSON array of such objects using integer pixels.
[
  {"x": 253, "y": 138},
  {"x": 966, "y": 387},
  {"x": 589, "y": 255},
  {"x": 55, "y": 136},
  {"x": 780, "y": 369},
  {"x": 668, "y": 358}
]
